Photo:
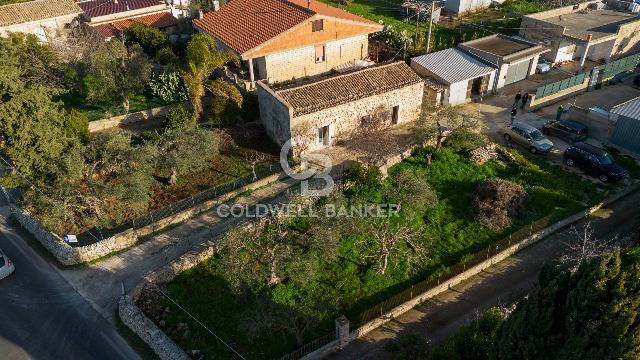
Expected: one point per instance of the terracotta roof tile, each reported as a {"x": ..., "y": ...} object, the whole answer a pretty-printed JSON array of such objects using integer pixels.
[
  {"x": 107, "y": 30},
  {"x": 36, "y": 10},
  {"x": 244, "y": 24},
  {"x": 345, "y": 88},
  {"x": 96, "y": 8},
  {"x": 158, "y": 20}
]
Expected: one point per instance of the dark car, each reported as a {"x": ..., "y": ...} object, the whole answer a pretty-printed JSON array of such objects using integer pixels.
[
  {"x": 568, "y": 130},
  {"x": 594, "y": 161}
]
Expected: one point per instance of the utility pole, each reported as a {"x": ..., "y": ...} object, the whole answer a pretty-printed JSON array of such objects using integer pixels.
[
  {"x": 433, "y": 9},
  {"x": 417, "y": 28}
]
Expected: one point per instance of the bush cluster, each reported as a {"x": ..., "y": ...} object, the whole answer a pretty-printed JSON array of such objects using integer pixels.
[{"x": 496, "y": 202}]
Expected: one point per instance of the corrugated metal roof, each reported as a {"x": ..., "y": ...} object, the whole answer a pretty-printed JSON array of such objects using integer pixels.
[
  {"x": 453, "y": 65},
  {"x": 630, "y": 109}
]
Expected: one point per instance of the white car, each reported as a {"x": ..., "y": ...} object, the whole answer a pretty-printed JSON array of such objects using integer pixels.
[
  {"x": 543, "y": 67},
  {"x": 6, "y": 266}
]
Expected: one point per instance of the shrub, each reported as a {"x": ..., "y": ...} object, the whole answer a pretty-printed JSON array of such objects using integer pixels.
[
  {"x": 224, "y": 112},
  {"x": 166, "y": 56},
  {"x": 362, "y": 176},
  {"x": 168, "y": 86},
  {"x": 411, "y": 192},
  {"x": 179, "y": 118},
  {"x": 464, "y": 140},
  {"x": 496, "y": 202},
  {"x": 150, "y": 39},
  {"x": 76, "y": 124}
]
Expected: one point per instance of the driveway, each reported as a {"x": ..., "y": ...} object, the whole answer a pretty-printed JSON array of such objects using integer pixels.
[{"x": 440, "y": 317}]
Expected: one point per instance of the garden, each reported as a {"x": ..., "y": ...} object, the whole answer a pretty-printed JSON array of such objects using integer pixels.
[
  {"x": 74, "y": 181},
  {"x": 280, "y": 281}
]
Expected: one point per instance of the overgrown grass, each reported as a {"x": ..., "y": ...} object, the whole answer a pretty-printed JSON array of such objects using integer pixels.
[{"x": 347, "y": 285}]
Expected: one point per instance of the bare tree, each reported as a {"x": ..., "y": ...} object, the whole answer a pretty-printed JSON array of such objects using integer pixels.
[
  {"x": 439, "y": 123},
  {"x": 584, "y": 245},
  {"x": 253, "y": 159},
  {"x": 382, "y": 242}
]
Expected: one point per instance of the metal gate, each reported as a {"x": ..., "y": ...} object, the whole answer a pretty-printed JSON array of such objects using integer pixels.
[{"x": 517, "y": 72}]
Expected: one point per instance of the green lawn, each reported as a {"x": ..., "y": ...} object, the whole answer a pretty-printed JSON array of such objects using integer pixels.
[{"x": 348, "y": 286}]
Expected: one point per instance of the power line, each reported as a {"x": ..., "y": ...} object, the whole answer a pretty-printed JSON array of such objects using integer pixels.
[{"x": 199, "y": 322}]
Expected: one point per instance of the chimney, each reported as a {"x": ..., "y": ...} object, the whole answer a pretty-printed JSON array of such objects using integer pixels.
[
  {"x": 200, "y": 14},
  {"x": 309, "y": 4},
  {"x": 216, "y": 5}
]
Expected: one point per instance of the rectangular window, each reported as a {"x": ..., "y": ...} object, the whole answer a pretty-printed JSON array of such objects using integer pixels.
[
  {"x": 323, "y": 136},
  {"x": 317, "y": 25},
  {"x": 320, "y": 53}
]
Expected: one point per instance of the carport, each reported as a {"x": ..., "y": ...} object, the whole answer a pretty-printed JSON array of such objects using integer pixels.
[
  {"x": 462, "y": 76},
  {"x": 514, "y": 57}
]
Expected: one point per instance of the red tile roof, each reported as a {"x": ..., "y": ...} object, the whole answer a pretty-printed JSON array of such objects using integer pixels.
[
  {"x": 158, "y": 20},
  {"x": 96, "y": 8},
  {"x": 244, "y": 24}
]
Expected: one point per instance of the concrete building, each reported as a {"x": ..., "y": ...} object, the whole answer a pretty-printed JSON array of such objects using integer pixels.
[
  {"x": 584, "y": 31},
  {"x": 463, "y": 6},
  {"x": 514, "y": 58},
  {"x": 280, "y": 40},
  {"x": 626, "y": 125},
  {"x": 315, "y": 114},
  {"x": 43, "y": 18},
  {"x": 98, "y": 12},
  {"x": 459, "y": 75}
]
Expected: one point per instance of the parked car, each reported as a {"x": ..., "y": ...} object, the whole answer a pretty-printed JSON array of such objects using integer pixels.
[
  {"x": 543, "y": 67},
  {"x": 594, "y": 161},
  {"x": 6, "y": 266},
  {"x": 568, "y": 130},
  {"x": 528, "y": 136}
]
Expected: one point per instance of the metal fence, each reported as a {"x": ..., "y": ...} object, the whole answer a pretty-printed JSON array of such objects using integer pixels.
[
  {"x": 550, "y": 89},
  {"x": 423, "y": 286},
  {"x": 619, "y": 66},
  {"x": 477, "y": 258},
  {"x": 97, "y": 234}
]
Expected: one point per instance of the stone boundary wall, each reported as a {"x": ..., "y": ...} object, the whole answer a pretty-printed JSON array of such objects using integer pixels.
[
  {"x": 159, "y": 342},
  {"x": 444, "y": 286},
  {"x": 559, "y": 96},
  {"x": 68, "y": 255}
]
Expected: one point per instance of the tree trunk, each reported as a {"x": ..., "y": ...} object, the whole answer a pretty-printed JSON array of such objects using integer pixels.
[
  {"x": 125, "y": 103},
  {"x": 173, "y": 178}
]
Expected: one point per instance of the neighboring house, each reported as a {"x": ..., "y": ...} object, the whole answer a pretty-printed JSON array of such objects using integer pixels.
[
  {"x": 280, "y": 40},
  {"x": 458, "y": 75},
  {"x": 316, "y": 114},
  {"x": 515, "y": 58},
  {"x": 626, "y": 125},
  {"x": 164, "y": 21},
  {"x": 462, "y": 6},
  {"x": 44, "y": 18},
  {"x": 106, "y": 11},
  {"x": 584, "y": 31}
]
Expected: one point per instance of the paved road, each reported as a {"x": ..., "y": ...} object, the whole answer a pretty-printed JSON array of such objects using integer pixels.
[
  {"x": 502, "y": 284},
  {"x": 42, "y": 317}
]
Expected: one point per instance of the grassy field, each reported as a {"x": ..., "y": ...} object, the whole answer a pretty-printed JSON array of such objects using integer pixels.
[
  {"x": 137, "y": 103},
  {"x": 347, "y": 285}
]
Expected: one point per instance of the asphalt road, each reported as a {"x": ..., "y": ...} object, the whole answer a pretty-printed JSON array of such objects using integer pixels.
[{"x": 42, "y": 317}]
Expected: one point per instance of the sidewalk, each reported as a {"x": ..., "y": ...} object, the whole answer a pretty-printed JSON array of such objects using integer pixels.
[
  {"x": 502, "y": 284},
  {"x": 101, "y": 282}
]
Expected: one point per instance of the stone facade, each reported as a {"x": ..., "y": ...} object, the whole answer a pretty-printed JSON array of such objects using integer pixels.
[{"x": 301, "y": 62}]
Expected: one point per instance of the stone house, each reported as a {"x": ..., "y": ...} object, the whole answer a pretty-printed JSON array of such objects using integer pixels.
[
  {"x": 315, "y": 114},
  {"x": 281, "y": 40},
  {"x": 43, "y": 18},
  {"x": 592, "y": 30}
]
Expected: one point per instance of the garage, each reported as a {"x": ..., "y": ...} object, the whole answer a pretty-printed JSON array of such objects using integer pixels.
[
  {"x": 514, "y": 57},
  {"x": 518, "y": 71}
]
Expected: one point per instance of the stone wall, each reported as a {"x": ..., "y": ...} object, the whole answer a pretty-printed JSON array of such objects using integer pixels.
[
  {"x": 344, "y": 119},
  {"x": 68, "y": 255},
  {"x": 159, "y": 342},
  {"x": 535, "y": 103},
  {"x": 275, "y": 114},
  {"x": 301, "y": 62},
  {"x": 43, "y": 29}
]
